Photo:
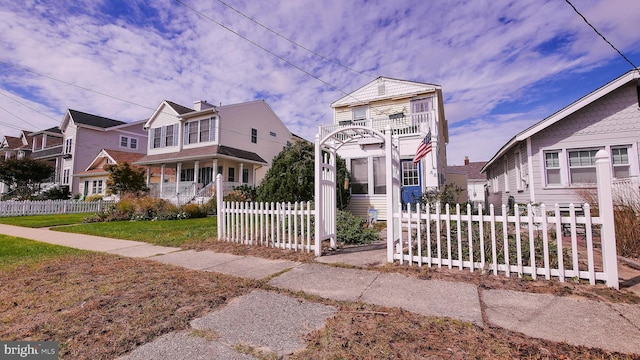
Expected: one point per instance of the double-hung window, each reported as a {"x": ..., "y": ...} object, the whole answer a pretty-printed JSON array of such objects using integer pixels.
[
  {"x": 552, "y": 167},
  {"x": 68, "y": 145},
  {"x": 359, "y": 113},
  {"x": 359, "y": 177},
  {"x": 582, "y": 166},
  {"x": 157, "y": 136},
  {"x": 96, "y": 187},
  {"x": 199, "y": 131},
  {"x": 128, "y": 142},
  {"x": 254, "y": 136},
  {"x": 620, "y": 162},
  {"x": 410, "y": 174}
]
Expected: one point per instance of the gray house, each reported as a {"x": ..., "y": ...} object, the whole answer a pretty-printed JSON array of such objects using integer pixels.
[{"x": 553, "y": 161}]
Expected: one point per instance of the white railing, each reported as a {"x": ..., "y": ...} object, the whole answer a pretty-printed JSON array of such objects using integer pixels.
[
  {"x": 278, "y": 225},
  {"x": 408, "y": 124},
  {"x": 20, "y": 208}
]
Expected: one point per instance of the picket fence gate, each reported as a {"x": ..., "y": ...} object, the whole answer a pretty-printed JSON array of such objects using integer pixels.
[{"x": 42, "y": 207}]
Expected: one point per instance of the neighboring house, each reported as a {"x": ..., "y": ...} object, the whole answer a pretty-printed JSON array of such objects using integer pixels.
[
  {"x": 93, "y": 180},
  {"x": 13, "y": 147},
  {"x": 47, "y": 146},
  {"x": 238, "y": 141},
  {"x": 84, "y": 136},
  {"x": 412, "y": 109},
  {"x": 554, "y": 160},
  {"x": 475, "y": 180}
]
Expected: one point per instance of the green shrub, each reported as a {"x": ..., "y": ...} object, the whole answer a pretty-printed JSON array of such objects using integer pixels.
[{"x": 354, "y": 230}]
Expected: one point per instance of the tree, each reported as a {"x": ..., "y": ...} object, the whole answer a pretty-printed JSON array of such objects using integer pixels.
[
  {"x": 24, "y": 176},
  {"x": 292, "y": 175},
  {"x": 124, "y": 179}
]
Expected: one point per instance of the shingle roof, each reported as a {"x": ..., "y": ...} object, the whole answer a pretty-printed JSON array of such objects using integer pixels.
[
  {"x": 80, "y": 117},
  {"x": 124, "y": 156},
  {"x": 13, "y": 142},
  {"x": 179, "y": 108},
  {"x": 201, "y": 153},
  {"x": 472, "y": 169}
]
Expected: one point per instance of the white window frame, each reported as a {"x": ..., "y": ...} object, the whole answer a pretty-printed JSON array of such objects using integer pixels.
[
  {"x": 558, "y": 152},
  {"x": 410, "y": 172},
  {"x": 124, "y": 140},
  {"x": 68, "y": 145},
  {"x": 506, "y": 174},
  {"x": 518, "y": 169},
  {"x": 592, "y": 164},
  {"x": 355, "y": 116},
  {"x": 199, "y": 129},
  {"x": 621, "y": 164},
  {"x": 96, "y": 187},
  {"x": 66, "y": 176}
]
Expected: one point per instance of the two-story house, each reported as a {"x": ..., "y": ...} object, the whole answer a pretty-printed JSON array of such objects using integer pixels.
[
  {"x": 412, "y": 110},
  {"x": 238, "y": 141},
  {"x": 46, "y": 145},
  {"x": 85, "y": 135},
  {"x": 12, "y": 147}
]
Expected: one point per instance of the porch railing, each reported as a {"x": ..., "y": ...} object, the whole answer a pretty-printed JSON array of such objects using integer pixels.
[{"x": 402, "y": 124}]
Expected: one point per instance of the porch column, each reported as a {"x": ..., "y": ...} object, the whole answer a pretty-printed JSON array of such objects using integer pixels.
[
  {"x": 148, "y": 174},
  {"x": 196, "y": 169},
  {"x": 241, "y": 173},
  {"x": 178, "y": 171},
  {"x": 162, "y": 166}
]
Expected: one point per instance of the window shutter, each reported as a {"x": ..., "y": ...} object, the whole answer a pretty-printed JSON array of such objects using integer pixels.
[{"x": 175, "y": 134}]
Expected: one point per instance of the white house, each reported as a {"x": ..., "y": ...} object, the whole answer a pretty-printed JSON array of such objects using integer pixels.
[
  {"x": 554, "y": 160},
  {"x": 412, "y": 110},
  {"x": 84, "y": 135},
  {"x": 238, "y": 141}
]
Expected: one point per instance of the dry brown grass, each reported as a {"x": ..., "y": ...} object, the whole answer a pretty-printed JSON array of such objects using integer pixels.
[{"x": 102, "y": 306}]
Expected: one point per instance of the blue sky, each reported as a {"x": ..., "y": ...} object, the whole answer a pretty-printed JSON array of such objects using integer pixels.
[{"x": 503, "y": 65}]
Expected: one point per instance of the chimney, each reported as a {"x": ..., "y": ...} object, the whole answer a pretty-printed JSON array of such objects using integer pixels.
[
  {"x": 202, "y": 105},
  {"x": 466, "y": 160}
]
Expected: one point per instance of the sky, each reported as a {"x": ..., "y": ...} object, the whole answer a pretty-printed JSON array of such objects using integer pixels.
[{"x": 503, "y": 65}]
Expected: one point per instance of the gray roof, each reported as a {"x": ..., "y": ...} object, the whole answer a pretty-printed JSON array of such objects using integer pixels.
[
  {"x": 80, "y": 117},
  {"x": 179, "y": 108},
  {"x": 201, "y": 153}
]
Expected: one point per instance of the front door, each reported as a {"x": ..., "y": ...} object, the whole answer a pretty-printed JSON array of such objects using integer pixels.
[{"x": 411, "y": 190}]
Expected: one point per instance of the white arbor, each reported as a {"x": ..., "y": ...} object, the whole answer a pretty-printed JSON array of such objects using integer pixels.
[{"x": 326, "y": 148}]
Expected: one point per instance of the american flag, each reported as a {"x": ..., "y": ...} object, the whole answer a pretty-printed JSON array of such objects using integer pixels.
[{"x": 424, "y": 148}]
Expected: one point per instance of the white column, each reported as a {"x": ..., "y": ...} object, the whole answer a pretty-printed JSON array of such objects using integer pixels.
[
  {"x": 605, "y": 208},
  {"x": 162, "y": 166},
  {"x": 148, "y": 175},
  {"x": 196, "y": 169},
  {"x": 178, "y": 171},
  {"x": 241, "y": 172}
]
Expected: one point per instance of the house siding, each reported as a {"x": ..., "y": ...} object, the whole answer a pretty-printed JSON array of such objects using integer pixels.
[{"x": 360, "y": 205}]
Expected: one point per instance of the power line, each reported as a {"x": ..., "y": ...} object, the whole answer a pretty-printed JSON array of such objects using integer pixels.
[
  {"x": 29, "y": 107},
  {"x": 16, "y": 116},
  {"x": 602, "y": 36},
  {"x": 293, "y": 42}
]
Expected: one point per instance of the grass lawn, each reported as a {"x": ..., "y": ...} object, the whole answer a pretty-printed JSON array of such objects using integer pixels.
[
  {"x": 16, "y": 251},
  {"x": 161, "y": 232},
  {"x": 38, "y": 221}
]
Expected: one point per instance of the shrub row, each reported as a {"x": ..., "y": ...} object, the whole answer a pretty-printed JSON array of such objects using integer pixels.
[{"x": 147, "y": 208}]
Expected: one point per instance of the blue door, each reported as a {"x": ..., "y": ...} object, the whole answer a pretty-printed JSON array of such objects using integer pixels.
[{"x": 411, "y": 189}]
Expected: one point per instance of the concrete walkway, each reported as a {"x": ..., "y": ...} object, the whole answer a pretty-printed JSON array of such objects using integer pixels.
[{"x": 577, "y": 321}]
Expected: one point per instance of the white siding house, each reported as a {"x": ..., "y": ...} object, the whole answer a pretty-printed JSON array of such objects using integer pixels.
[
  {"x": 554, "y": 160},
  {"x": 412, "y": 110},
  {"x": 85, "y": 135},
  {"x": 238, "y": 141}
]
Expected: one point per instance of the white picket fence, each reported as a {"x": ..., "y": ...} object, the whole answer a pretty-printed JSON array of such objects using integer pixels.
[
  {"x": 536, "y": 242},
  {"x": 279, "y": 225},
  {"x": 21, "y": 208}
]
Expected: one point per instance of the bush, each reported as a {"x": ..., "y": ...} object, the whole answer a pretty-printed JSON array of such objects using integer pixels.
[
  {"x": 354, "y": 230},
  {"x": 96, "y": 197},
  {"x": 143, "y": 208},
  {"x": 194, "y": 211},
  {"x": 57, "y": 193}
]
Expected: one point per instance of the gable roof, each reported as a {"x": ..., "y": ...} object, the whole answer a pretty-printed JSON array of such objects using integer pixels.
[
  {"x": 391, "y": 88},
  {"x": 80, "y": 117},
  {"x": 12, "y": 142},
  {"x": 566, "y": 111},
  {"x": 179, "y": 108},
  {"x": 117, "y": 156}
]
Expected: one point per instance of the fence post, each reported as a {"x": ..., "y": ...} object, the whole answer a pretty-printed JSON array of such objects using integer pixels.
[
  {"x": 605, "y": 208},
  {"x": 219, "y": 206}
]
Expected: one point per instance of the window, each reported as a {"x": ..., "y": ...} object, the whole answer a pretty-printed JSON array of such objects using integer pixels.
[
  {"x": 518, "y": 160},
  {"x": 170, "y": 135},
  {"x": 422, "y": 105},
  {"x": 620, "y": 161},
  {"x": 127, "y": 142},
  {"x": 68, "y": 144},
  {"x": 506, "y": 173},
  {"x": 271, "y": 133},
  {"x": 245, "y": 176},
  {"x": 254, "y": 136},
  {"x": 186, "y": 175},
  {"x": 205, "y": 175},
  {"x": 96, "y": 187},
  {"x": 124, "y": 141},
  {"x": 65, "y": 176},
  {"x": 379, "y": 176},
  {"x": 359, "y": 178},
  {"x": 219, "y": 169},
  {"x": 359, "y": 113},
  {"x": 199, "y": 131},
  {"x": 410, "y": 174},
  {"x": 552, "y": 167},
  {"x": 133, "y": 143},
  {"x": 232, "y": 175},
  {"x": 157, "y": 134},
  {"x": 582, "y": 166}
]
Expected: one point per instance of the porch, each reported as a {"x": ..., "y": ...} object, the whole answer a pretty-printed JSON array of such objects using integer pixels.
[{"x": 401, "y": 124}]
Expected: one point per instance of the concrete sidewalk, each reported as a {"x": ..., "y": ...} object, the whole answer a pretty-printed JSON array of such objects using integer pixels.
[{"x": 577, "y": 321}]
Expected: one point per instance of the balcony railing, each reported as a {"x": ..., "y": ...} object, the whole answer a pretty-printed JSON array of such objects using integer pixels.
[{"x": 401, "y": 124}]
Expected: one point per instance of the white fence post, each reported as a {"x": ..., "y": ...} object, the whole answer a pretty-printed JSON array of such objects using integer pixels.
[
  {"x": 605, "y": 208},
  {"x": 219, "y": 206}
]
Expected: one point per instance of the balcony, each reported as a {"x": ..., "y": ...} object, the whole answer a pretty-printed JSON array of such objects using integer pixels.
[{"x": 401, "y": 124}]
